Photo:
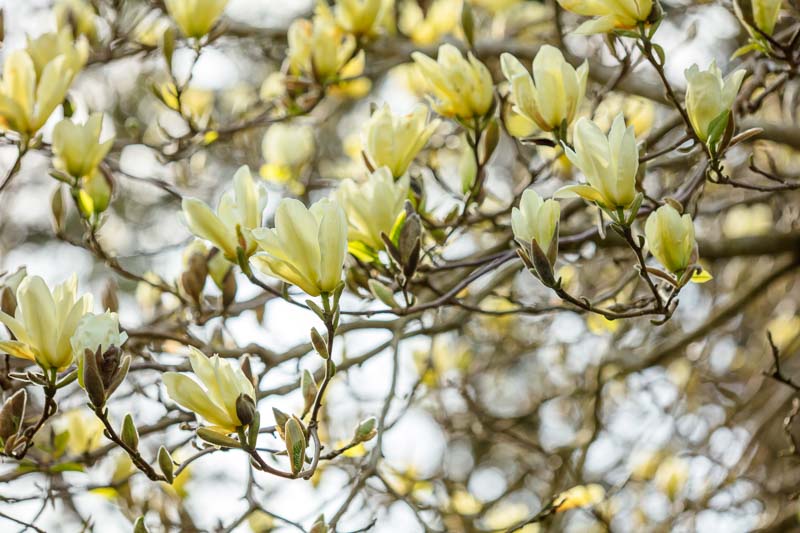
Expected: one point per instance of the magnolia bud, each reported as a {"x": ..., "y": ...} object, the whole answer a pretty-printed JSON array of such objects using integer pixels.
[
  {"x": 295, "y": 439},
  {"x": 280, "y": 420},
  {"x": 58, "y": 209},
  {"x": 319, "y": 525},
  {"x": 12, "y": 414},
  {"x": 8, "y": 302},
  {"x": 228, "y": 289},
  {"x": 319, "y": 344},
  {"x": 166, "y": 464},
  {"x": 92, "y": 380},
  {"x": 245, "y": 409},
  {"x": 194, "y": 277},
  {"x": 366, "y": 430},
  {"x": 309, "y": 388},
  {"x": 109, "y": 297},
  {"x": 382, "y": 293},
  {"x": 139, "y": 526},
  {"x": 129, "y": 433}
]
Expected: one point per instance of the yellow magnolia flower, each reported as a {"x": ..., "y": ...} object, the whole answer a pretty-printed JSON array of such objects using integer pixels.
[
  {"x": 85, "y": 431},
  {"x": 287, "y": 149},
  {"x": 359, "y": 17},
  {"x": 612, "y": 14},
  {"x": 195, "y": 18},
  {"x": 78, "y": 16},
  {"x": 580, "y": 496},
  {"x": 671, "y": 476},
  {"x": 708, "y": 96},
  {"x": 215, "y": 401},
  {"x": 77, "y": 147},
  {"x": 459, "y": 87},
  {"x": 373, "y": 206},
  {"x": 238, "y": 211},
  {"x": 49, "y": 46},
  {"x": 320, "y": 49},
  {"x": 426, "y": 28},
  {"x": 394, "y": 141},
  {"x": 609, "y": 163},
  {"x": 670, "y": 238},
  {"x": 558, "y": 92},
  {"x": 35, "y": 80},
  {"x": 307, "y": 247},
  {"x": 45, "y": 321},
  {"x": 536, "y": 220},
  {"x": 97, "y": 331}
]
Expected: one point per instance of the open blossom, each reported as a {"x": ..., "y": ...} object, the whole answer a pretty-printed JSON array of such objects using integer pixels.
[
  {"x": 44, "y": 322},
  {"x": 372, "y": 207},
  {"x": 239, "y": 210},
  {"x": 77, "y": 147},
  {"x": 307, "y": 247},
  {"x": 708, "y": 96},
  {"x": 36, "y": 79},
  {"x": 558, "y": 90},
  {"x": 214, "y": 397},
  {"x": 320, "y": 49},
  {"x": 394, "y": 140},
  {"x": 287, "y": 149},
  {"x": 430, "y": 26},
  {"x": 609, "y": 163},
  {"x": 195, "y": 18},
  {"x": 611, "y": 14},
  {"x": 97, "y": 331},
  {"x": 458, "y": 87},
  {"x": 359, "y": 17},
  {"x": 670, "y": 237},
  {"x": 535, "y": 220}
]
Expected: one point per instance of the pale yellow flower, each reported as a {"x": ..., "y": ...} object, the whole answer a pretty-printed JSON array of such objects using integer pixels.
[
  {"x": 426, "y": 28},
  {"x": 45, "y": 321},
  {"x": 77, "y": 147},
  {"x": 394, "y": 140},
  {"x": 359, "y": 17},
  {"x": 85, "y": 431},
  {"x": 372, "y": 207},
  {"x": 580, "y": 496},
  {"x": 287, "y": 149},
  {"x": 671, "y": 476},
  {"x": 78, "y": 16},
  {"x": 535, "y": 220},
  {"x": 558, "y": 91},
  {"x": 609, "y": 163},
  {"x": 47, "y": 47},
  {"x": 319, "y": 49},
  {"x": 670, "y": 238},
  {"x": 238, "y": 211},
  {"x": 97, "y": 331},
  {"x": 195, "y": 18},
  {"x": 708, "y": 96},
  {"x": 307, "y": 247},
  {"x": 214, "y": 398},
  {"x": 459, "y": 87},
  {"x": 36, "y": 79},
  {"x": 612, "y": 14}
]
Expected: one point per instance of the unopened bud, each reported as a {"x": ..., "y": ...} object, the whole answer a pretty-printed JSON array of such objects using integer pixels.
[
  {"x": 92, "y": 380},
  {"x": 309, "y": 389},
  {"x": 228, "y": 289},
  {"x": 295, "y": 440},
  {"x": 382, "y": 293},
  {"x": 319, "y": 525},
  {"x": 8, "y": 302},
  {"x": 366, "y": 430},
  {"x": 280, "y": 420},
  {"x": 245, "y": 409},
  {"x": 12, "y": 414},
  {"x": 139, "y": 526},
  {"x": 166, "y": 464},
  {"x": 129, "y": 433},
  {"x": 109, "y": 297},
  {"x": 193, "y": 278},
  {"x": 319, "y": 344}
]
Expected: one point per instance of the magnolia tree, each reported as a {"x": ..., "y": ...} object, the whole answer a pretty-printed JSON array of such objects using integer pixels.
[{"x": 425, "y": 265}]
